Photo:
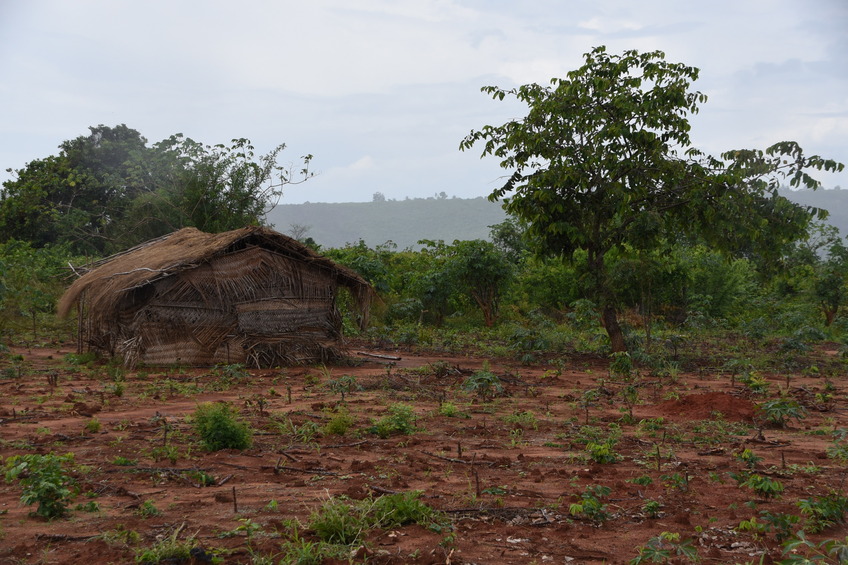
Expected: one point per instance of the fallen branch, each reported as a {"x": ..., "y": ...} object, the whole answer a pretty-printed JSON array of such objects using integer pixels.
[
  {"x": 64, "y": 537},
  {"x": 382, "y": 490},
  {"x": 378, "y": 356},
  {"x": 337, "y": 445},
  {"x": 278, "y": 468},
  {"x": 454, "y": 460}
]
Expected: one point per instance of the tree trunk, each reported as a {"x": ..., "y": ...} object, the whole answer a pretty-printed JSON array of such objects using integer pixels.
[
  {"x": 829, "y": 315},
  {"x": 610, "y": 321}
]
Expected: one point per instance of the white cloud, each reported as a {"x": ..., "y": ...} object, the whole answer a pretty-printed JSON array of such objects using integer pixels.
[{"x": 381, "y": 92}]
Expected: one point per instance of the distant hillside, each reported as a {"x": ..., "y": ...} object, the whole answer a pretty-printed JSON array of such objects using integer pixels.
[{"x": 404, "y": 222}]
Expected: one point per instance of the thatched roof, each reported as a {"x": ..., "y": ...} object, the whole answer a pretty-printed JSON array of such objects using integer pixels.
[{"x": 106, "y": 281}]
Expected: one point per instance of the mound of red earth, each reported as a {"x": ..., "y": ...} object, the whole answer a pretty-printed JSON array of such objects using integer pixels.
[{"x": 706, "y": 406}]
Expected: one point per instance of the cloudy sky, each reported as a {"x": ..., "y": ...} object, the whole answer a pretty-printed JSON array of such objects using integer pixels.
[{"x": 382, "y": 91}]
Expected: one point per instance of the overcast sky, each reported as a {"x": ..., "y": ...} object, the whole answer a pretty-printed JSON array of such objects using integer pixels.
[{"x": 382, "y": 91}]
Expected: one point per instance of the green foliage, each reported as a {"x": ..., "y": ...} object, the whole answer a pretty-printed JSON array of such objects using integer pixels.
[
  {"x": 839, "y": 448},
  {"x": 780, "y": 410},
  {"x": 170, "y": 549},
  {"x": 763, "y": 486},
  {"x": 219, "y": 427},
  {"x": 568, "y": 179},
  {"x": 823, "y": 512},
  {"x": 666, "y": 548},
  {"x": 347, "y": 523},
  {"x": 400, "y": 419},
  {"x": 621, "y": 365},
  {"x": 602, "y": 452},
  {"x": 339, "y": 424},
  {"x": 748, "y": 457},
  {"x": 755, "y": 382},
  {"x": 481, "y": 271},
  {"x": 30, "y": 283},
  {"x": 147, "y": 509},
  {"x": 525, "y": 419},
  {"x": 304, "y": 433},
  {"x": 343, "y": 385},
  {"x": 44, "y": 480},
  {"x": 483, "y": 383},
  {"x": 781, "y": 524},
  {"x": 109, "y": 190},
  {"x": 802, "y": 551},
  {"x": 590, "y": 505},
  {"x": 643, "y": 480},
  {"x": 652, "y": 508},
  {"x": 93, "y": 426}
]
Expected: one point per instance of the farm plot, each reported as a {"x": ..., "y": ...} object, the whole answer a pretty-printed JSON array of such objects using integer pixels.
[{"x": 418, "y": 460}]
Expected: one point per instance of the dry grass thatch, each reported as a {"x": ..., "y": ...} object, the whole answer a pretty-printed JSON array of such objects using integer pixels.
[{"x": 250, "y": 294}]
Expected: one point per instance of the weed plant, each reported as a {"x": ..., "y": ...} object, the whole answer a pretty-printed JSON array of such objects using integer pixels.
[
  {"x": 148, "y": 509},
  {"x": 823, "y": 512},
  {"x": 219, "y": 427},
  {"x": 348, "y": 522},
  {"x": 339, "y": 424},
  {"x": 170, "y": 549},
  {"x": 399, "y": 419},
  {"x": 590, "y": 506},
  {"x": 779, "y": 411},
  {"x": 484, "y": 383},
  {"x": 801, "y": 551},
  {"x": 666, "y": 548},
  {"x": 44, "y": 480}
]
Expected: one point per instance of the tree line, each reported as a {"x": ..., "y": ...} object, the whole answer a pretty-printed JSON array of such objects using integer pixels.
[
  {"x": 110, "y": 190},
  {"x": 613, "y": 211}
]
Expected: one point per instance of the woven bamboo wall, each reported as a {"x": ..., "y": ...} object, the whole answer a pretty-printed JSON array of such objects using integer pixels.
[{"x": 252, "y": 306}]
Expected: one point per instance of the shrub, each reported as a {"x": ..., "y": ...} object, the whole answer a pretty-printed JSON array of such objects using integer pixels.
[
  {"x": 339, "y": 424},
  {"x": 763, "y": 486},
  {"x": 147, "y": 509},
  {"x": 219, "y": 427},
  {"x": 484, "y": 383},
  {"x": 44, "y": 481},
  {"x": 399, "y": 420},
  {"x": 602, "y": 452},
  {"x": 823, "y": 512},
  {"x": 348, "y": 522},
  {"x": 665, "y": 547},
  {"x": 590, "y": 505},
  {"x": 780, "y": 410}
]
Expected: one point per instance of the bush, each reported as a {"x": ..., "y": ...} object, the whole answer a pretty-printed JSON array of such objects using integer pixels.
[
  {"x": 219, "y": 427},
  {"x": 484, "y": 383},
  {"x": 44, "y": 481},
  {"x": 399, "y": 420},
  {"x": 348, "y": 522}
]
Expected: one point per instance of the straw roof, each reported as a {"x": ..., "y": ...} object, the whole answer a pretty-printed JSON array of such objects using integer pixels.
[{"x": 107, "y": 281}]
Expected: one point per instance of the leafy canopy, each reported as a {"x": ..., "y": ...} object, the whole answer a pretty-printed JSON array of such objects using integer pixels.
[{"x": 604, "y": 160}]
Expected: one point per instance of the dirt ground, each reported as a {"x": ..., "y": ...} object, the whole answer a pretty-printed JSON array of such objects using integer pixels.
[{"x": 505, "y": 470}]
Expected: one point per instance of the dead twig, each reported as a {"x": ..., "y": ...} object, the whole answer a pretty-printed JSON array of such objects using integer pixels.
[{"x": 454, "y": 460}]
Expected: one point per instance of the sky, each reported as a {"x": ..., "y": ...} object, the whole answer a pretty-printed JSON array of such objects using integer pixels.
[{"x": 381, "y": 92}]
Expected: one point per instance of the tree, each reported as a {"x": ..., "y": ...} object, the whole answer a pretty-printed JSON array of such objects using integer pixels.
[
  {"x": 79, "y": 196},
  {"x": 830, "y": 282},
  {"x": 31, "y": 281},
  {"x": 482, "y": 271},
  {"x": 604, "y": 160},
  {"x": 213, "y": 188},
  {"x": 108, "y": 190}
]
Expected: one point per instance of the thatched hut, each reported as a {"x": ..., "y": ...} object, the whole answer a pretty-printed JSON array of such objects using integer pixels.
[{"x": 251, "y": 296}]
